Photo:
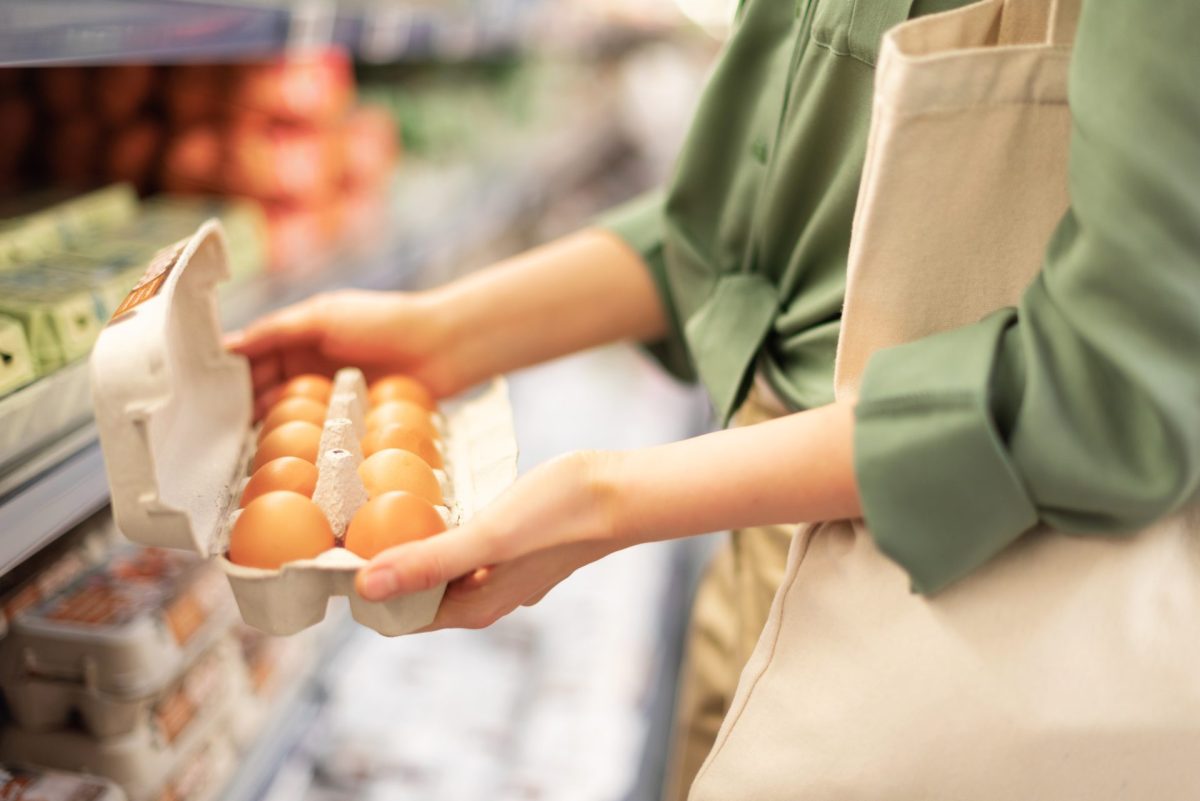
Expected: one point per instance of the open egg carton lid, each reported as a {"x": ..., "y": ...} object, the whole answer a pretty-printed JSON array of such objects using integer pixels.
[{"x": 174, "y": 412}]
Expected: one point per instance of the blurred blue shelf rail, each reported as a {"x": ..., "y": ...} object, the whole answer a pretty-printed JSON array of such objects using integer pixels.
[
  {"x": 36, "y": 32},
  {"x": 60, "y": 32}
]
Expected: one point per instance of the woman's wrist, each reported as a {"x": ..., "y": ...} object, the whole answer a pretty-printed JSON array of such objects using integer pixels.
[{"x": 448, "y": 369}]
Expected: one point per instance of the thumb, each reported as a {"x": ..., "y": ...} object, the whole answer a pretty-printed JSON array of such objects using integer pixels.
[{"x": 418, "y": 566}]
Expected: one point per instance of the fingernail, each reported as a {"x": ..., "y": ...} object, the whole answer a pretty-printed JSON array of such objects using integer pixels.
[{"x": 377, "y": 584}]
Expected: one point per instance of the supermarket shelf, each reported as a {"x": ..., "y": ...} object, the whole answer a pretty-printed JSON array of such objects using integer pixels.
[
  {"x": 292, "y": 716},
  {"x": 64, "y": 483},
  {"x": 166, "y": 31},
  {"x": 90, "y": 32},
  {"x": 36, "y": 512}
]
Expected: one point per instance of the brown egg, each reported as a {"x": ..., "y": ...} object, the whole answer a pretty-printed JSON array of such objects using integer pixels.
[
  {"x": 310, "y": 385},
  {"x": 392, "y": 469},
  {"x": 393, "y": 518},
  {"x": 406, "y": 439},
  {"x": 285, "y": 473},
  {"x": 290, "y": 410},
  {"x": 401, "y": 387},
  {"x": 401, "y": 413},
  {"x": 278, "y": 528},
  {"x": 297, "y": 438}
]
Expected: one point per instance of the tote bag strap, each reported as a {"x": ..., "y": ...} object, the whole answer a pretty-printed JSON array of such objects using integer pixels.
[{"x": 1039, "y": 22}]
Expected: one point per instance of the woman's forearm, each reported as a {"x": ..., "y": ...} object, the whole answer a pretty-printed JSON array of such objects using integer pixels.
[
  {"x": 580, "y": 291},
  {"x": 793, "y": 469}
]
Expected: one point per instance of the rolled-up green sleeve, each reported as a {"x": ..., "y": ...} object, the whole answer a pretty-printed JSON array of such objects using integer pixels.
[
  {"x": 1079, "y": 408},
  {"x": 639, "y": 223}
]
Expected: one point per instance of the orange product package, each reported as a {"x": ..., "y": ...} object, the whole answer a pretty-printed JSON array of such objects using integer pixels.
[
  {"x": 16, "y": 130},
  {"x": 313, "y": 88},
  {"x": 297, "y": 234},
  {"x": 282, "y": 163},
  {"x": 372, "y": 147},
  {"x": 133, "y": 153},
  {"x": 63, "y": 91},
  {"x": 72, "y": 153},
  {"x": 123, "y": 91},
  {"x": 195, "y": 93},
  {"x": 192, "y": 161}
]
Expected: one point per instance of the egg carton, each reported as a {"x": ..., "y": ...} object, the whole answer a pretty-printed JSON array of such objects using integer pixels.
[
  {"x": 173, "y": 409},
  {"x": 32, "y": 784},
  {"x": 267, "y": 669},
  {"x": 142, "y": 762},
  {"x": 38, "y": 704},
  {"x": 123, "y": 629}
]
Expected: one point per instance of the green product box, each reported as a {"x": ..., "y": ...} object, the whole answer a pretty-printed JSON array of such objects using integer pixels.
[
  {"x": 109, "y": 268},
  {"x": 16, "y": 360},
  {"x": 60, "y": 313},
  {"x": 48, "y": 223},
  {"x": 171, "y": 217}
]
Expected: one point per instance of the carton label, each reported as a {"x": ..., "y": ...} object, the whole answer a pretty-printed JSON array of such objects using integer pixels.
[
  {"x": 151, "y": 283},
  {"x": 179, "y": 707},
  {"x": 136, "y": 582},
  {"x": 19, "y": 785}
]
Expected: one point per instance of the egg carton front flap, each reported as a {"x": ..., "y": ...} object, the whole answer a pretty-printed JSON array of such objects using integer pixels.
[{"x": 172, "y": 405}]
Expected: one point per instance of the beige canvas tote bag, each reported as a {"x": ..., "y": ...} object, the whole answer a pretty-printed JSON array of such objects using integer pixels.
[{"x": 1066, "y": 669}]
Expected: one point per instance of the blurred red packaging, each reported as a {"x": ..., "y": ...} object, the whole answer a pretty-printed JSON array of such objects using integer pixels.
[
  {"x": 196, "y": 93},
  {"x": 73, "y": 148},
  {"x": 133, "y": 153},
  {"x": 16, "y": 128},
  {"x": 122, "y": 92},
  {"x": 363, "y": 218},
  {"x": 192, "y": 162},
  {"x": 62, "y": 91},
  {"x": 372, "y": 147},
  {"x": 299, "y": 234},
  {"x": 313, "y": 88},
  {"x": 282, "y": 163}
]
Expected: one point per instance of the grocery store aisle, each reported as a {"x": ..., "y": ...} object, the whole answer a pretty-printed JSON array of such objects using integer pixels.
[{"x": 566, "y": 700}]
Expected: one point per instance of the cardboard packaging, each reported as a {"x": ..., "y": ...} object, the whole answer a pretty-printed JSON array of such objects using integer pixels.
[
  {"x": 173, "y": 410},
  {"x": 19, "y": 784},
  {"x": 124, "y": 629},
  {"x": 61, "y": 223},
  {"x": 41, "y": 705},
  {"x": 143, "y": 763},
  {"x": 60, "y": 314},
  {"x": 16, "y": 360}
]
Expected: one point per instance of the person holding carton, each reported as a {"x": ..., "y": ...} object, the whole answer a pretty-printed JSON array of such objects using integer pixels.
[{"x": 971, "y": 398}]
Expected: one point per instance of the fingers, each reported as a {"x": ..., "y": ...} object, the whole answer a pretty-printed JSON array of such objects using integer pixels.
[
  {"x": 301, "y": 324},
  {"x": 421, "y": 565},
  {"x": 488, "y": 594}
]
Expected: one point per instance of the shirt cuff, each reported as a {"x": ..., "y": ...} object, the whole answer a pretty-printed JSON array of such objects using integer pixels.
[
  {"x": 639, "y": 224},
  {"x": 939, "y": 490}
]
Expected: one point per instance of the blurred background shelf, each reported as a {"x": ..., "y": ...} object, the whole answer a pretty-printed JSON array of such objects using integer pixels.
[
  {"x": 520, "y": 120},
  {"x": 173, "y": 31},
  {"x": 58, "y": 485}
]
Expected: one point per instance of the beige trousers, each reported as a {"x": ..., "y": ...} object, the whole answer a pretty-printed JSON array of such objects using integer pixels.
[{"x": 731, "y": 607}]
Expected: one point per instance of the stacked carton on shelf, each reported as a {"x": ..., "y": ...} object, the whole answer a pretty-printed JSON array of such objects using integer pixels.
[{"x": 130, "y": 668}]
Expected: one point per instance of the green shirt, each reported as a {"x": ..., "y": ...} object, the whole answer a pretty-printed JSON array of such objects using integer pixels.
[{"x": 1079, "y": 408}]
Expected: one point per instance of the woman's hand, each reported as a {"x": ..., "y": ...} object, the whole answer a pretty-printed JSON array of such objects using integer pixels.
[
  {"x": 553, "y": 521},
  {"x": 583, "y": 290},
  {"x": 583, "y": 506},
  {"x": 380, "y": 332}
]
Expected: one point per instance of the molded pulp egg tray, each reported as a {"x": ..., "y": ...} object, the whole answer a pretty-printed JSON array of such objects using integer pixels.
[{"x": 173, "y": 409}]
